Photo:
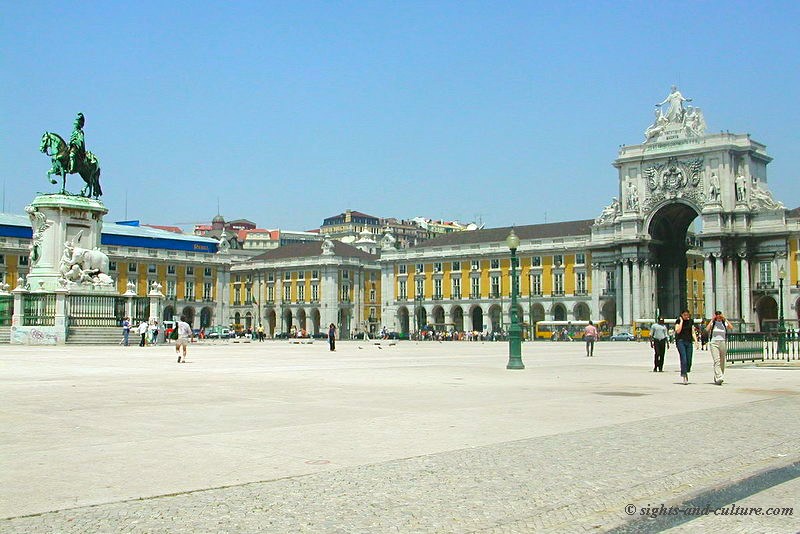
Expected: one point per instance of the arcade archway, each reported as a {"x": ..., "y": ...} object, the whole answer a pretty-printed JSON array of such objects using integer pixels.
[
  {"x": 496, "y": 318},
  {"x": 188, "y": 314},
  {"x": 766, "y": 314},
  {"x": 402, "y": 316},
  {"x": 581, "y": 312},
  {"x": 477, "y": 318},
  {"x": 457, "y": 317}
]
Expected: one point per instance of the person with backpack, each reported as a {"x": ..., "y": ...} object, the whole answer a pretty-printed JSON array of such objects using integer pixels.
[{"x": 717, "y": 330}]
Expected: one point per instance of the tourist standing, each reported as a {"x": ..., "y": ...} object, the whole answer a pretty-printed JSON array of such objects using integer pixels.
[
  {"x": 332, "y": 337},
  {"x": 717, "y": 331},
  {"x": 590, "y": 335},
  {"x": 153, "y": 332},
  {"x": 684, "y": 339},
  {"x": 185, "y": 334},
  {"x": 126, "y": 331},
  {"x": 143, "y": 333},
  {"x": 658, "y": 340}
]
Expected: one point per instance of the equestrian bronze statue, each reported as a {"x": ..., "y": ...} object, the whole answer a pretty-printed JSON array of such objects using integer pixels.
[{"x": 72, "y": 158}]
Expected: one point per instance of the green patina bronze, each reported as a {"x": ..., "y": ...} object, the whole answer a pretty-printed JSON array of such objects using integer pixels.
[{"x": 72, "y": 158}]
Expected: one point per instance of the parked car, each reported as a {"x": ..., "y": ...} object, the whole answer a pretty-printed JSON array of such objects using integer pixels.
[
  {"x": 623, "y": 336},
  {"x": 219, "y": 332}
]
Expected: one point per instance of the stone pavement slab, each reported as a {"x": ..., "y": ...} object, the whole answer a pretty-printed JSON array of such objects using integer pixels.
[{"x": 416, "y": 437}]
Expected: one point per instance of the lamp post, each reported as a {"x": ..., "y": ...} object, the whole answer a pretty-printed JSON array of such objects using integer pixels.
[
  {"x": 781, "y": 324},
  {"x": 514, "y": 337},
  {"x": 417, "y": 313}
]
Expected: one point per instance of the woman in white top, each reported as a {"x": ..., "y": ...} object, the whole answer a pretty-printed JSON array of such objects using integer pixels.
[{"x": 717, "y": 329}]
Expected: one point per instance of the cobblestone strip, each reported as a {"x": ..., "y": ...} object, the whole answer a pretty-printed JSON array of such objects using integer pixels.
[{"x": 569, "y": 482}]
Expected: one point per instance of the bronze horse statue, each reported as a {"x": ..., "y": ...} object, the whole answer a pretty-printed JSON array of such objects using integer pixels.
[{"x": 89, "y": 167}]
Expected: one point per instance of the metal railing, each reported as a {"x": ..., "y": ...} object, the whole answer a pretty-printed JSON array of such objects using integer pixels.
[
  {"x": 95, "y": 310},
  {"x": 38, "y": 310},
  {"x": 762, "y": 346},
  {"x": 6, "y": 309},
  {"x": 140, "y": 309}
]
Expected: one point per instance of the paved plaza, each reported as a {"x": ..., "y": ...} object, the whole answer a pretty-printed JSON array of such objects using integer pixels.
[{"x": 406, "y": 437}]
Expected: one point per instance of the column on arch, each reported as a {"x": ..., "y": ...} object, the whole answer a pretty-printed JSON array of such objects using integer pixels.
[
  {"x": 626, "y": 292},
  {"x": 594, "y": 313},
  {"x": 731, "y": 302},
  {"x": 618, "y": 292},
  {"x": 646, "y": 309},
  {"x": 719, "y": 283},
  {"x": 708, "y": 290},
  {"x": 744, "y": 269},
  {"x": 636, "y": 293}
]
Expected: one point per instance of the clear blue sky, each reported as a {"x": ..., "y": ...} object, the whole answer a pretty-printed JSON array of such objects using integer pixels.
[{"x": 288, "y": 112}]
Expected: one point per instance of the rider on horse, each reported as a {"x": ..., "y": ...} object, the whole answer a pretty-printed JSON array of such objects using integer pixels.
[{"x": 77, "y": 145}]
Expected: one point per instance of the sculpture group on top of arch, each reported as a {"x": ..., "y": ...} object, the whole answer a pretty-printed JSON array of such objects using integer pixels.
[{"x": 687, "y": 121}]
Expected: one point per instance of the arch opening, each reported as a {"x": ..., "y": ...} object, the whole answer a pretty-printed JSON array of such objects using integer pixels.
[{"x": 669, "y": 245}]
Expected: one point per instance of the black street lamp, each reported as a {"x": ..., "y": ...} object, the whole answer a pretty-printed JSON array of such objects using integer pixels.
[
  {"x": 514, "y": 331},
  {"x": 418, "y": 313},
  {"x": 781, "y": 324}
]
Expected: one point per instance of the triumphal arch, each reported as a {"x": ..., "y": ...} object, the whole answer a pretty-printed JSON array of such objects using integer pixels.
[{"x": 692, "y": 202}]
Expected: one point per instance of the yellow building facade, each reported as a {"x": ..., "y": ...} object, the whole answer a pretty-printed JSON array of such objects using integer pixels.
[{"x": 303, "y": 288}]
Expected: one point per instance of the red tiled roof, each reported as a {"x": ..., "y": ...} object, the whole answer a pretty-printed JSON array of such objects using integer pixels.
[{"x": 242, "y": 234}]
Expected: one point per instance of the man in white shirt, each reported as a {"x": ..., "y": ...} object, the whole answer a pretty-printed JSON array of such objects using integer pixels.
[
  {"x": 143, "y": 333},
  {"x": 184, "y": 335},
  {"x": 658, "y": 340}
]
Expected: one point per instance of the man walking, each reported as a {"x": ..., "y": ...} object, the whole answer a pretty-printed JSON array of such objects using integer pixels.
[
  {"x": 717, "y": 329},
  {"x": 143, "y": 333},
  {"x": 658, "y": 340},
  {"x": 185, "y": 334}
]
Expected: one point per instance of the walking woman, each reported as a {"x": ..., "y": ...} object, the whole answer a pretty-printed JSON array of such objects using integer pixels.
[
  {"x": 332, "y": 337},
  {"x": 717, "y": 330},
  {"x": 685, "y": 338}
]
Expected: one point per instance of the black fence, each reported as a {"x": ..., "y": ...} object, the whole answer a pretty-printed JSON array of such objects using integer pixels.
[
  {"x": 141, "y": 310},
  {"x": 6, "y": 309},
  {"x": 38, "y": 310},
  {"x": 95, "y": 310}
]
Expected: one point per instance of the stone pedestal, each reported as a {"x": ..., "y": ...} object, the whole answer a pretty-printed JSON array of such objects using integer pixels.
[{"x": 56, "y": 219}]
